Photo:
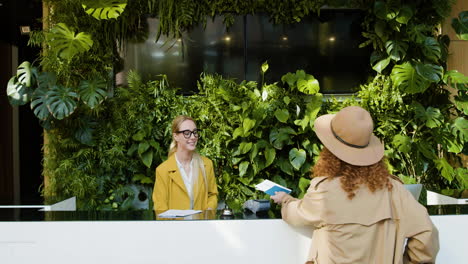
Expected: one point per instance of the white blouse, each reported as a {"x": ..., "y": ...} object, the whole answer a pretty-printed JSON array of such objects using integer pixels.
[{"x": 188, "y": 179}]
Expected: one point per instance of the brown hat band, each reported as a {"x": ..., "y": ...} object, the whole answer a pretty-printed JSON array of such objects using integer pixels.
[{"x": 347, "y": 143}]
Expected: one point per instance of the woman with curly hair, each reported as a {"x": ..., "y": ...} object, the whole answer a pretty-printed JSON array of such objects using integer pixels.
[{"x": 359, "y": 211}]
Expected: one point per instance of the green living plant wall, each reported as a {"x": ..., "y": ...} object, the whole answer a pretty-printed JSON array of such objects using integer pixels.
[{"x": 103, "y": 140}]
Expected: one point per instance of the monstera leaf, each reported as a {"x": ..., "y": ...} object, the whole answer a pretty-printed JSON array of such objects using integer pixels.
[
  {"x": 445, "y": 169},
  {"x": 18, "y": 94},
  {"x": 396, "y": 49},
  {"x": 93, "y": 92},
  {"x": 39, "y": 103},
  {"x": 61, "y": 101},
  {"x": 46, "y": 80},
  {"x": 457, "y": 79},
  {"x": 460, "y": 129},
  {"x": 430, "y": 116},
  {"x": 308, "y": 86},
  {"x": 460, "y": 25},
  {"x": 431, "y": 49},
  {"x": 430, "y": 72},
  {"x": 19, "y": 90},
  {"x": 402, "y": 143},
  {"x": 407, "y": 79},
  {"x": 104, "y": 9},
  {"x": 25, "y": 74},
  {"x": 67, "y": 43}
]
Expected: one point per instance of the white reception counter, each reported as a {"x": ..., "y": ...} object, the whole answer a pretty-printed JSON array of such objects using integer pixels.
[{"x": 206, "y": 241}]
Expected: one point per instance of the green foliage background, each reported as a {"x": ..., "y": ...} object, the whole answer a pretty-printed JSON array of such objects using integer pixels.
[{"x": 103, "y": 139}]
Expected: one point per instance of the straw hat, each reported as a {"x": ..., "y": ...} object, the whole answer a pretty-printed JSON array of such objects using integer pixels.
[{"x": 348, "y": 135}]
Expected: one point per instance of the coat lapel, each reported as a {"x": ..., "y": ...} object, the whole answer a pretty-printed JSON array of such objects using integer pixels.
[
  {"x": 174, "y": 174},
  {"x": 199, "y": 185}
]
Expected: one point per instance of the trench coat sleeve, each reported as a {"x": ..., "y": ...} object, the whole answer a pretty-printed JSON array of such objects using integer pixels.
[
  {"x": 212, "y": 187},
  {"x": 160, "y": 191},
  {"x": 306, "y": 211},
  {"x": 423, "y": 237}
]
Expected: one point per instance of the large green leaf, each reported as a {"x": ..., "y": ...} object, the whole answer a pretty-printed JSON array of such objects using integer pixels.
[
  {"x": 25, "y": 74},
  {"x": 457, "y": 79},
  {"x": 396, "y": 49},
  {"x": 426, "y": 149},
  {"x": 93, "y": 92},
  {"x": 285, "y": 166},
  {"x": 460, "y": 129},
  {"x": 46, "y": 80},
  {"x": 461, "y": 102},
  {"x": 405, "y": 14},
  {"x": 147, "y": 158},
  {"x": 385, "y": 11},
  {"x": 39, "y": 103},
  {"x": 245, "y": 147},
  {"x": 314, "y": 106},
  {"x": 402, "y": 143},
  {"x": 270, "y": 154},
  {"x": 406, "y": 78},
  {"x": 449, "y": 142},
  {"x": 460, "y": 25},
  {"x": 308, "y": 86},
  {"x": 431, "y": 49},
  {"x": 237, "y": 132},
  {"x": 280, "y": 137},
  {"x": 381, "y": 65},
  {"x": 18, "y": 94},
  {"x": 248, "y": 124},
  {"x": 431, "y": 116},
  {"x": 289, "y": 78},
  {"x": 445, "y": 169},
  {"x": 243, "y": 166},
  {"x": 297, "y": 157},
  {"x": 66, "y": 43},
  {"x": 104, "y": 9},
  {"x": 143, "y": 147},
  {"x": 462, "y": 177},
  {"x": 430, "y": 72},
  {"x": 61, "y": 101},
  {"x": 282, "y": 115},
  {"x": 254, "y": 152}
]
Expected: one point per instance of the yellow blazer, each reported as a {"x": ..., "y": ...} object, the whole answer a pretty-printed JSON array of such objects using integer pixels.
[{"x": 169, "y": 190}]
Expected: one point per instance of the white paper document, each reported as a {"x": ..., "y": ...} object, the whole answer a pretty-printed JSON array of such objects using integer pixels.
[
  {"x": 270, "y": 187},
  {"x": 178, "y": 213}
]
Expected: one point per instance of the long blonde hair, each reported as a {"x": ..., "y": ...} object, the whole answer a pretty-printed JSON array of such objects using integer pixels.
[{"x": 197, "y": 159}]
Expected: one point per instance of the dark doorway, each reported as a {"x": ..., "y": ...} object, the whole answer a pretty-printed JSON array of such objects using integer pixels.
[{"x": 14, "y": 50}]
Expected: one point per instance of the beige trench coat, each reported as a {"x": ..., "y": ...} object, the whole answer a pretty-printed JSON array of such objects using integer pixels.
[{"x": 381, "y": 227}]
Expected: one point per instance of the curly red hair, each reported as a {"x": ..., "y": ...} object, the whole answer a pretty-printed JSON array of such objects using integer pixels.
[{"x": 375, "y": 176}]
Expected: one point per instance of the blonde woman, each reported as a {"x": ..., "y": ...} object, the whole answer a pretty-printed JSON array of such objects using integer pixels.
[
  {"x": 360, "y": 212},
  {"x": 185, "y": 180}
]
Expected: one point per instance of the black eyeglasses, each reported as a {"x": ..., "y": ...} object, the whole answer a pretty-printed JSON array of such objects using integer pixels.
[{"x": 187, "y": 133}]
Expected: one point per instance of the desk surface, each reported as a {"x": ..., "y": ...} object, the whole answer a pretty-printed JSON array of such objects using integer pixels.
[{"x": 33, "y": 214}]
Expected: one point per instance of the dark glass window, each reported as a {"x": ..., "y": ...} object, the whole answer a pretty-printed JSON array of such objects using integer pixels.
[{"x": 325, "y": 46}]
